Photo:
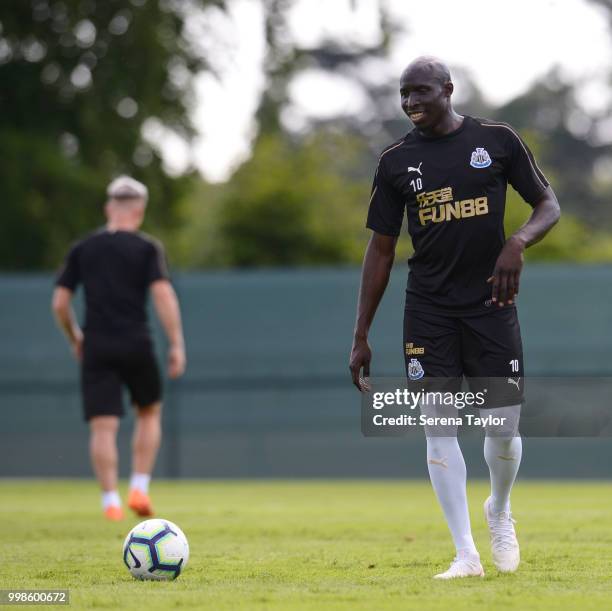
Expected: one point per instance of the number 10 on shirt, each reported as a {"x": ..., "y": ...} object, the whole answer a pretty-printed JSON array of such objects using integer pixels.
[{"x": 416, "y": 184}]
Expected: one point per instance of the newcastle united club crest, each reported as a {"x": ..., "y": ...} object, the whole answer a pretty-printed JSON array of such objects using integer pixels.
[
  {"x": 415, "y": 370},
  {"x": 480, "y": 158}
]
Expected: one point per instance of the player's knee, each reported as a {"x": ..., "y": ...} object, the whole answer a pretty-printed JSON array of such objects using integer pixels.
[
  {"x": 152, "y": 410},
  {"x": 440, "y": 445},
  {"x": 104, "y": 424}
]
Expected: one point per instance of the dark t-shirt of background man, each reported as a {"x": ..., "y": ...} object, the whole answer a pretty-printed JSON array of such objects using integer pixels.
[{"x": 115, "y": 269}]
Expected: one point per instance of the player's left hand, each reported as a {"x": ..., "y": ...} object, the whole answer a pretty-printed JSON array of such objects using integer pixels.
[
  {"x": 507, "y": 272},
  {"x": 77, "y": 346},
  {"x": 177, "y": 361}
]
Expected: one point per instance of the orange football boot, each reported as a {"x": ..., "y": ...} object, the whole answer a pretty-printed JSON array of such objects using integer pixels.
[
  {"x": 114, "y": 513},
  {"x": 140, "y": 503}
]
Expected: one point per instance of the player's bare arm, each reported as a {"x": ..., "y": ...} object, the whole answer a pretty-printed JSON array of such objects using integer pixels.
[
  {"x": 167, "y": 308},
  {"x": 66, "y": 320},
  {"x": 375, "y": 272},
  {"x": 506, "y": 275}
]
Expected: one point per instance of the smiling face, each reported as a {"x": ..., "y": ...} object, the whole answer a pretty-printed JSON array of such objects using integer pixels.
[{"x": 425, "y": 90}]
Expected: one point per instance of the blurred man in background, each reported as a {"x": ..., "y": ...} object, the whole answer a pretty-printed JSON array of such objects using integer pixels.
[{"x": 117, "y": 266}]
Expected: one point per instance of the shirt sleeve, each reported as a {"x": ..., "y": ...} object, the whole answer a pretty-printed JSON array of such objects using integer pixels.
[
  {"x": 157, "y": 268},
  {"x": 386, "y": 212},
  {"x": 69, "y": 275},
  {"x": 523, "y": 172}
]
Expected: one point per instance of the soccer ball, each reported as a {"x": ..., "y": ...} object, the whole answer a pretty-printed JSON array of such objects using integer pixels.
[{"x": 156, "y": 550}]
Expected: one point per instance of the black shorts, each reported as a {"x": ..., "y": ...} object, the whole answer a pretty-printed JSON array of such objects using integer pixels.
[
  {"x": 109, "y": 363},
  {"x": 485, "y": 349}
]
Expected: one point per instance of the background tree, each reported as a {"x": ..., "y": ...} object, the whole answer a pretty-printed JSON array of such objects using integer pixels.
[
  {"x": 569, "y": 145},
  {"x": 302, "y": 196},
  {"x": 80, "y": 79},
  {"x": 296, "y": 203},
  {"x": 86, "y": 86}
]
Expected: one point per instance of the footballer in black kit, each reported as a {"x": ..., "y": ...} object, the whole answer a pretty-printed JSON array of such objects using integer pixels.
[
  {"x": 449, "y": 176},
  {"x": 116, "y": 269},
  {"x": 453, "y": 190}
]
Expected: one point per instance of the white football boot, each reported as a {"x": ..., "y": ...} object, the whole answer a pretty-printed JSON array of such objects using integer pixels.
[
  {"x": 464, "y": 565},
  {"x": 504, "y": 544}
]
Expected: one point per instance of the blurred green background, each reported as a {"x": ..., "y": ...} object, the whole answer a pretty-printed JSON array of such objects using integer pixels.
[
  {"x": 91, "y": 89},
  {"x": 84, "y": 84}
]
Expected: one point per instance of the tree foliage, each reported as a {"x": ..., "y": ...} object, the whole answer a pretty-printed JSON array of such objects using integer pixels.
[
  {"x": 292, "y": 203},
  {"x": 80, "y": 79},
  {"x": 568, "y": 145}
]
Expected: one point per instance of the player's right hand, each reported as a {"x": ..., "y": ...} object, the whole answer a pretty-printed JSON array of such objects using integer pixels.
[{"x": 361, "y": 355}]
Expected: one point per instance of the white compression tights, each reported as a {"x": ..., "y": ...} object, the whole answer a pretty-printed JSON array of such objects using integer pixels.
[
  {"x": 448, "y": 476},
  {"x": 503, "y": 449},
  {"x": 503, "y": 457}
]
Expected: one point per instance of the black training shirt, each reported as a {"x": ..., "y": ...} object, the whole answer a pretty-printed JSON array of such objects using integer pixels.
[
  {"x": 115, "y": 269},
  {"x": 453, "y": 189}
]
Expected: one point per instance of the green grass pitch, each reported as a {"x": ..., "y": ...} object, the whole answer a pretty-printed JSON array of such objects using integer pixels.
[{"x": 315, "y": 545}]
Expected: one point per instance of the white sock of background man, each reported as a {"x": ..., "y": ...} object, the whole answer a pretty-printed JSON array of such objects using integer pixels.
[
  {"x": 448, "y": 477},
  {"x": 140, "y": 481},
  {"x": 111, "y": 499}
]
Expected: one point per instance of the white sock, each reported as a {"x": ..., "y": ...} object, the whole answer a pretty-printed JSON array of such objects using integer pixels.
[
  {"x": 468, "y": 554},
  {"x": 140, "y": 481},
  {"x": 503, "y": 455},
  {"x": 448, "y": 478},
  {"x": 111, "y": 499}
]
